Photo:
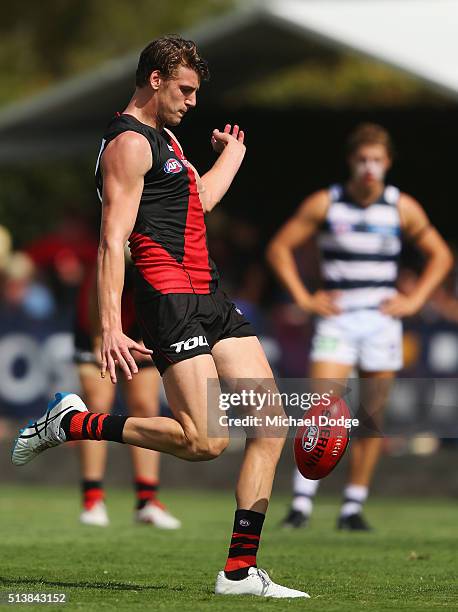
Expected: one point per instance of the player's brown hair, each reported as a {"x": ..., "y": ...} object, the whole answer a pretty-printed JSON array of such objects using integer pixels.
[
  {"x": 166, "y": 54},
  {"x": 369, "y": 133}
]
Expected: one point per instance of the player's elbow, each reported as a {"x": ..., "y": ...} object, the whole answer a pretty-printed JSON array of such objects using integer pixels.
[
  {"x": 209, "y": 201},
  {"x": 208, "y": 205},
  {"x": 111, "y": 242},
  {"x": 449, "y": 260},
  {"x": 444, "y": 258},
  {"x": 273, "y": 252}
]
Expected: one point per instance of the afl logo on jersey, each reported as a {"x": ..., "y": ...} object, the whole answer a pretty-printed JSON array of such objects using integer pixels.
[{"x": 172, "y": 166}]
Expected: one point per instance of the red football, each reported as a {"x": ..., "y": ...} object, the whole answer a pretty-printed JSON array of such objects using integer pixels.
[{"x": 319, "y": 446}]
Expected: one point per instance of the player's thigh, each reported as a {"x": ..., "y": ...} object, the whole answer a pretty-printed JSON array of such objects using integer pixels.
[
  {"x": 329, "y": 377},
  {"x": 98, "y": 393},
  {"x": 186, "y": 386},
  {"x": 241, "y": 358},
  {"x": 375, "y": 388},
  {"x": 243, "y": 367},
  {"x": 333, "y": 355},
  {"x": 381, "y": 349},
  {"x": 142, "y": 392},
  {"x": 333, "y": 342},
  {"x": 330, "y": 369}
]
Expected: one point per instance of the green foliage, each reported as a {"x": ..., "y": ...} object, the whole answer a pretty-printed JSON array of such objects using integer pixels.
[
  {"x": 43, "y": 42},
  {"x": 34, "y": 199},
  {"x": 347, "y": 81}
]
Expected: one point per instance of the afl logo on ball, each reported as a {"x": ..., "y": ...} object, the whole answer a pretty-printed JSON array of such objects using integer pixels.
[
  {"x": 310, "y": 438},
  {"x": 172, "y": 166}
]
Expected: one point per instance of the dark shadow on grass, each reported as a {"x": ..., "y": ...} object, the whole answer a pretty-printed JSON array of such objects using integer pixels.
[{"x": 113, "y": 586}]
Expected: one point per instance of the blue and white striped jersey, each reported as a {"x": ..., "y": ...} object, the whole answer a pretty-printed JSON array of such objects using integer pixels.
[{"x": 360, "y": 247}]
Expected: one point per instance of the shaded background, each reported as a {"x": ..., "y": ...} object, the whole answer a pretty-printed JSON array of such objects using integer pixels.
[{"x": 297, "y": 98}]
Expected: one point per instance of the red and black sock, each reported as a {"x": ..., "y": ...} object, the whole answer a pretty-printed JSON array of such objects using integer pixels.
[
  {"x": 93, "y": 426},
  {"x": 244, "y": 544},
  {"x": 146, "y": 491},
  {"x": 92, "y": 493}
]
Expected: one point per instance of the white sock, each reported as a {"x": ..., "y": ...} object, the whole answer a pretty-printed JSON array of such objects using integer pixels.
[
  {"x": 303, "y": 490},
  {"x": 354, "y": 498}
]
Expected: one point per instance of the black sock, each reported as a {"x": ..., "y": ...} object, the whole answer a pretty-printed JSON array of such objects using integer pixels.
[
  {"x": 65, "y": 422},
  {"x": 146, "y": 491},
  {"x": 244, "y": 544},
  {"x": 112, "y": 428},
  {"x": 93, "y": 426},
  {"x": 92, "y": 492}
]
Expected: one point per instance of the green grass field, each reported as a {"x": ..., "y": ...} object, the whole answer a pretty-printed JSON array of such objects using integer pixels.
[{"x": 409, "y": 563}]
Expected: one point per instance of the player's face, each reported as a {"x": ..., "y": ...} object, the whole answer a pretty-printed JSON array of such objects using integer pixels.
[
  {"x": 177, "y": 95},
  {"x": 369, "y": 164}
]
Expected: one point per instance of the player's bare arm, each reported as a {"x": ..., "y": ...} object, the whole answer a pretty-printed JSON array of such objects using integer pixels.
[
  {"x": 213, "y": 185},
  {"x": 229, "y": 144},
  {"x": 124, "y": 163},
  {"x": 439, "y": 260},
  {"x": 280, "y": 253}
]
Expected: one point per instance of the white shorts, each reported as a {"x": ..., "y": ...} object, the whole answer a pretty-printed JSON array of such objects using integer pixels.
[{"x": 367, "y": 339}]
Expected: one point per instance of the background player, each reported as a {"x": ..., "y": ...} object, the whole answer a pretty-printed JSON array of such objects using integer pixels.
[
  {"x": 359, "y": 227},
  {"x": 154, "y": 197},
  {"x": 142, "y": 399}
]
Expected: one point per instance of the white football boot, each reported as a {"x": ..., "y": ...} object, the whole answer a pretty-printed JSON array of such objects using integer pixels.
[
  {"x": 155, "y": 514},
  {"x": 256, "y": 583},
  {"x": 96, "y": 516},
  {"x": 46, "y": 432}
]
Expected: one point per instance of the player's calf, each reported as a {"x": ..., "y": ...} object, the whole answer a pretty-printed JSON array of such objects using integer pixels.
[{"x": 67, "y": 418}]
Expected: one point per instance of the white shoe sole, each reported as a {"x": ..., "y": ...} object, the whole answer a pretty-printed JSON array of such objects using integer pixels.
[{"x": 24, "y": 450}]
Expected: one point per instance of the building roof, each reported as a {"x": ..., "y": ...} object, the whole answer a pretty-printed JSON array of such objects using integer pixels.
[{"x": 415, "y": 36}]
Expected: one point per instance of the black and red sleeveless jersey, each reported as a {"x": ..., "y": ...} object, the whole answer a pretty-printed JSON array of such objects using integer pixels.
[{"x": 168, "y": 242}]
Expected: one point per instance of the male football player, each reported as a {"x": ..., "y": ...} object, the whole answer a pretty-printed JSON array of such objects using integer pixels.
[
  {"x": 359, "y": 226},
  {"x": 153, "y": 196}
]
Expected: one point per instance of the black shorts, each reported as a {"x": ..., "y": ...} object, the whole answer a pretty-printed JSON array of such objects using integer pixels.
[
  {"x": 178, "y": 326},
  {"x": 83, "y": 346}
]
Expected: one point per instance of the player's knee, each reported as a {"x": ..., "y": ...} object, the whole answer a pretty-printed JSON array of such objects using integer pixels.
[
  {"x": 206, "y": 449},
  {"x": 270, "y": 448},
  {"x": 217, "y": 447}
]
